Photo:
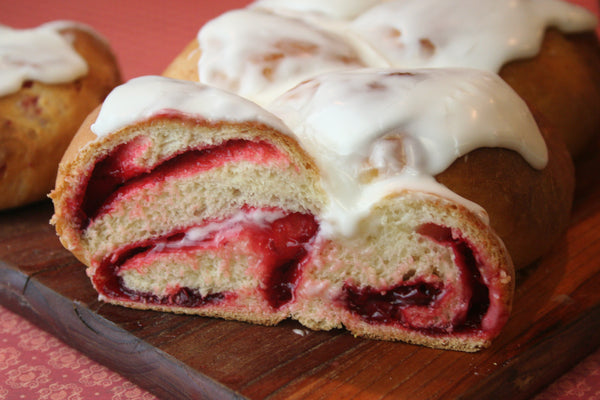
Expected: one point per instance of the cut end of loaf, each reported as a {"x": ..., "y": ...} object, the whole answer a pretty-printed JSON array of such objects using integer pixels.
[
  {"x": 218, "y": 220},
  {"x": 423, "y": 271}
]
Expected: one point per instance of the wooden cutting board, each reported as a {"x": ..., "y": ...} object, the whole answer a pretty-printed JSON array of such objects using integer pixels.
[{"x": 555, "y": 323}]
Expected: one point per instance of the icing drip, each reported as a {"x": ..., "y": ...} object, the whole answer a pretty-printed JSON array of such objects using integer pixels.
[
  {"x": 41, "y": 54},
  {"x": 376, "y": 132},
  {"x": 483, "y": 34},
  {"x": 217, "y": 231}
]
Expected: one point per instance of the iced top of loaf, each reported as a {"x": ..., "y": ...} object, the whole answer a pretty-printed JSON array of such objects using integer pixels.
[
  {"x": 40, "y": 54},
  {"x": 263, "y": 50},
  {"x": 144, "y": 97},
  {"x": 341, "y": 78}
]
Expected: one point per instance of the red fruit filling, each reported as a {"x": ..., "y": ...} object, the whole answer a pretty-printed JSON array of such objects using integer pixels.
[
  {"x": 389, "y": 305},
  {"x": 375, "y": 305},
  {"x": 119, "y": 172},
  {"x": 31, "y": 106},
  {"x": 284, "y": 247},
  {"x": 110, "y": 284},
  {"x": 281, "y": 245}
]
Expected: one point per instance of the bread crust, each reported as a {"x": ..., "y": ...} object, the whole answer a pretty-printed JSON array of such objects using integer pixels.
[
  {"x": 562, "y": 83},
  {"x": 38, "y": 122},
  {"x": 528, "y": 208},
  {"x": 185, "y": 65}
]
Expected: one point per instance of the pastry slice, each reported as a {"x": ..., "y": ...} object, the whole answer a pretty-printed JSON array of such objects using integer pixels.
[{"x": 205, "y": 212}]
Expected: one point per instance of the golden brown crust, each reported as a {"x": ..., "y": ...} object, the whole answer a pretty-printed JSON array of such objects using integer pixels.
[
  {"x": 185, "y": 65},
  {"x": 39, "y": 121},
  {"x": 562, "y": 82},
  {"x": 83, "y": 136},
  {"x": 68, "y": 169},
  {"x": 528, "y": 208}
]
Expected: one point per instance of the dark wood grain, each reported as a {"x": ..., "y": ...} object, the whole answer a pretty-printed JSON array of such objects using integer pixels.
[{"x": 555, "y": 323}]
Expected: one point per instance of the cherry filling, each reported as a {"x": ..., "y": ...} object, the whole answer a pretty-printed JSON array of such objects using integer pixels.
[
  {"x": 388, "y": 306},
  {"x": 280, "y": 245},
  {"x": 110, "y": 284},
  {"x": 118, "y": 172},
  {"x": 284, "y": 247}
]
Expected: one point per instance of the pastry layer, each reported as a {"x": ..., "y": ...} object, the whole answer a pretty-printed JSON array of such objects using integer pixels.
[{"x": 154, "y": 181}]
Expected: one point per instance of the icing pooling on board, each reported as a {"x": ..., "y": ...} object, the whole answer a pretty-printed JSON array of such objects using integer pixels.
[
  {"x": 376, "y": 132},
  {"x": 141, "y": 98},
  {"x": 483, "y": 34},
  {"x": 41, "y": 54}
]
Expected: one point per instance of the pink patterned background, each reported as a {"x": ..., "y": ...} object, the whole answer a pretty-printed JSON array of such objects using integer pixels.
[
  {"x": 36, "y": 365},
  {"x": 145, "y": 35}
]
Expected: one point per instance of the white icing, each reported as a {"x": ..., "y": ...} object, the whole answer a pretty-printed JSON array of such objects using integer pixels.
[
  {"x": 259, "y": 55},
  {"x": 371, "y": 133},
  {"x": 405, "y": 127},
  {"x": 142, "y": 98},
  {"x": 41, "y": 54},
  {"x": 482, "y": 34},
  {"x": 341, "y": 9}
]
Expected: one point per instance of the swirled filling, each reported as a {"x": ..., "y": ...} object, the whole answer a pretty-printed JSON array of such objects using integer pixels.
[
  {"x": 119, "y": 173},
  {"x": 424, "y": 302},
  {"x": 279, "y": 242}
]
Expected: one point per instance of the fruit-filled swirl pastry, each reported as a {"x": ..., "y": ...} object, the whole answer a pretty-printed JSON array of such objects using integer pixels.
[
  {"x": 186, "y": 198},
  {"x": 51, "y": 78}
]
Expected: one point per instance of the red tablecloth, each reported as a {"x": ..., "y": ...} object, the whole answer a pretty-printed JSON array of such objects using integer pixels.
[{"x": 145, "y": 36}]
